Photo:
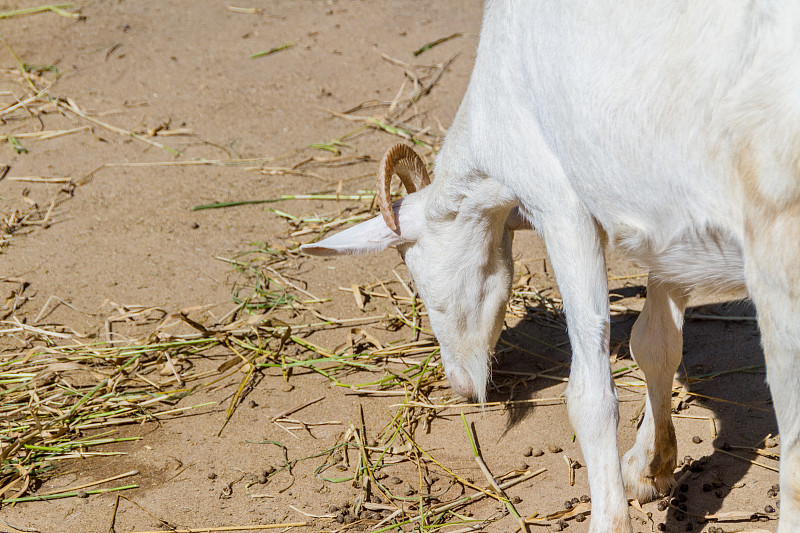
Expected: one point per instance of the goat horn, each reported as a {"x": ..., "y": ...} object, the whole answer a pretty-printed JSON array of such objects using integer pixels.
[{"x": 409, "y": 167}]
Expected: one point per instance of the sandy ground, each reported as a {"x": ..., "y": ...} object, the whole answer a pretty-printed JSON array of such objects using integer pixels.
[{"x": 126, "y": 236}]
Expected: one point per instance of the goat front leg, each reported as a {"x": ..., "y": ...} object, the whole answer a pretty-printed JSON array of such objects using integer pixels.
[
  {"x": 576, "y": 253},
  {"x": 656, "y": 346}
]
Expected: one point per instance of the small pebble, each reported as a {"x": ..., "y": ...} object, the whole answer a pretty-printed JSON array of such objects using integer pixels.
[
  {"x": 559, "y": 525},
  {"x": 769, "y": 509},
  {"x": 696, "y": 439},
  {"x": 567, "y": 505},
  {"x": 575, "y": 501},
  {"x": 396, "y": 481},
  {"x": 521, "y": 467},
  {"x": 554, "y": 448},
  {"x": 262, "y": 479},
  {"x": 661, "y": 527},
  {"x": 381, "y": 476},
  {"x": 754, "y": 517},
  {"x": 580, "y": 517},
  {"x": 349, "y": 519},
  {"x": 687, "y": 460},
  {"x": 252, "y": 404},
  {"x": 771, "y": 442},
  {"x": 194, "y": 225},
  {"x": 516, "y": 499},
  {"x": 333, "y": 508},
  {"x": 287, "y": 387},
  {"x": 776, "y": 487},
  {"x": 269, "y": 470},
  {"x": 82, "y": 494},
  {"x": 585, "y": 498},
  {"x": 528, "y": 451},
  {"x": 409, "y": 492},
  {"x": 212, "y": 475},
  {"x": 538, "y": 452},
  {"x": 719, "y": 494},
  {"x": 662, "y": 505}
]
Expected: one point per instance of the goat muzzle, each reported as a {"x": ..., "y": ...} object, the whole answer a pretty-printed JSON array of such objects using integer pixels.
[{"x": 409, "y": 167}]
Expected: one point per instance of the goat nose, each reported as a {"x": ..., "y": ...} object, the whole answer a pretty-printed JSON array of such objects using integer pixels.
[{"x": 460, "y": 382}]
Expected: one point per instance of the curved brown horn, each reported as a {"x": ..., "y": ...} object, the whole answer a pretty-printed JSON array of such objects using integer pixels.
[{"x": 409, "y": 167}]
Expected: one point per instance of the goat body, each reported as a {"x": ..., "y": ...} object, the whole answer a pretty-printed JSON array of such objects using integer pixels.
[{"x": 668, "y": 130}]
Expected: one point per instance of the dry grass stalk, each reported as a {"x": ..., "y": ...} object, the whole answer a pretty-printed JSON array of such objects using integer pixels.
[
  {"x": 257, "y": 527},
  {"x": 58, "y": 9}
]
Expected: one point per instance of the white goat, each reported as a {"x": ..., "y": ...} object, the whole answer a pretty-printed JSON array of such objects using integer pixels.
[{"x": 667, "y": 129}]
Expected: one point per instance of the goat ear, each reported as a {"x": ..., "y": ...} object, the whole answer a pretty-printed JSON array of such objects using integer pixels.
[{"x": 373, "y": 235}]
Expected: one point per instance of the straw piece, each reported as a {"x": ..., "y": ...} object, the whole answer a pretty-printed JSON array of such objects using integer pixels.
[
  {"x": 437, "y": 42},
  {"x": 751, "y": 461},
  {"x": 230, "y": 528},
  {"x": 72, "y": 489},
  {"x": 72, "y": 107},
  {"x": 271, "y": 51}
]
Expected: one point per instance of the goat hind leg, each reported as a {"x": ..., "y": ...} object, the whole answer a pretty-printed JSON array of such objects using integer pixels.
[
  {"x": 773, "y": 279},
  {"x": 656, "y": 345}
]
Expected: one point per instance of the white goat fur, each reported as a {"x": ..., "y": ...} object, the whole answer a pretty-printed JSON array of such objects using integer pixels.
[{"x": 666, "y": 129}]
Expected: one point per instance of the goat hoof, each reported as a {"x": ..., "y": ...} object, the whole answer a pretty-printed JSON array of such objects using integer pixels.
[{"x": 642, "y": 481}]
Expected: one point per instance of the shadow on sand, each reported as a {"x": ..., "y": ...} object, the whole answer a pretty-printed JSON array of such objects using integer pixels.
[{"x": 723, "y": 368}]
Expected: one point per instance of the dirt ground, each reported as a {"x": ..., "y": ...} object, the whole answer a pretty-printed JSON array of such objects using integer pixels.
[{"x": 123, "y": 237}]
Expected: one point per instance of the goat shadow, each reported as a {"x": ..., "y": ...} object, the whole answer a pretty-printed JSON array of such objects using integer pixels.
[{"x": 724, "y": 362}]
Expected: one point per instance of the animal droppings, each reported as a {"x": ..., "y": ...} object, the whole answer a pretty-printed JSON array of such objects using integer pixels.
[{"x": 528, "y": 452}]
